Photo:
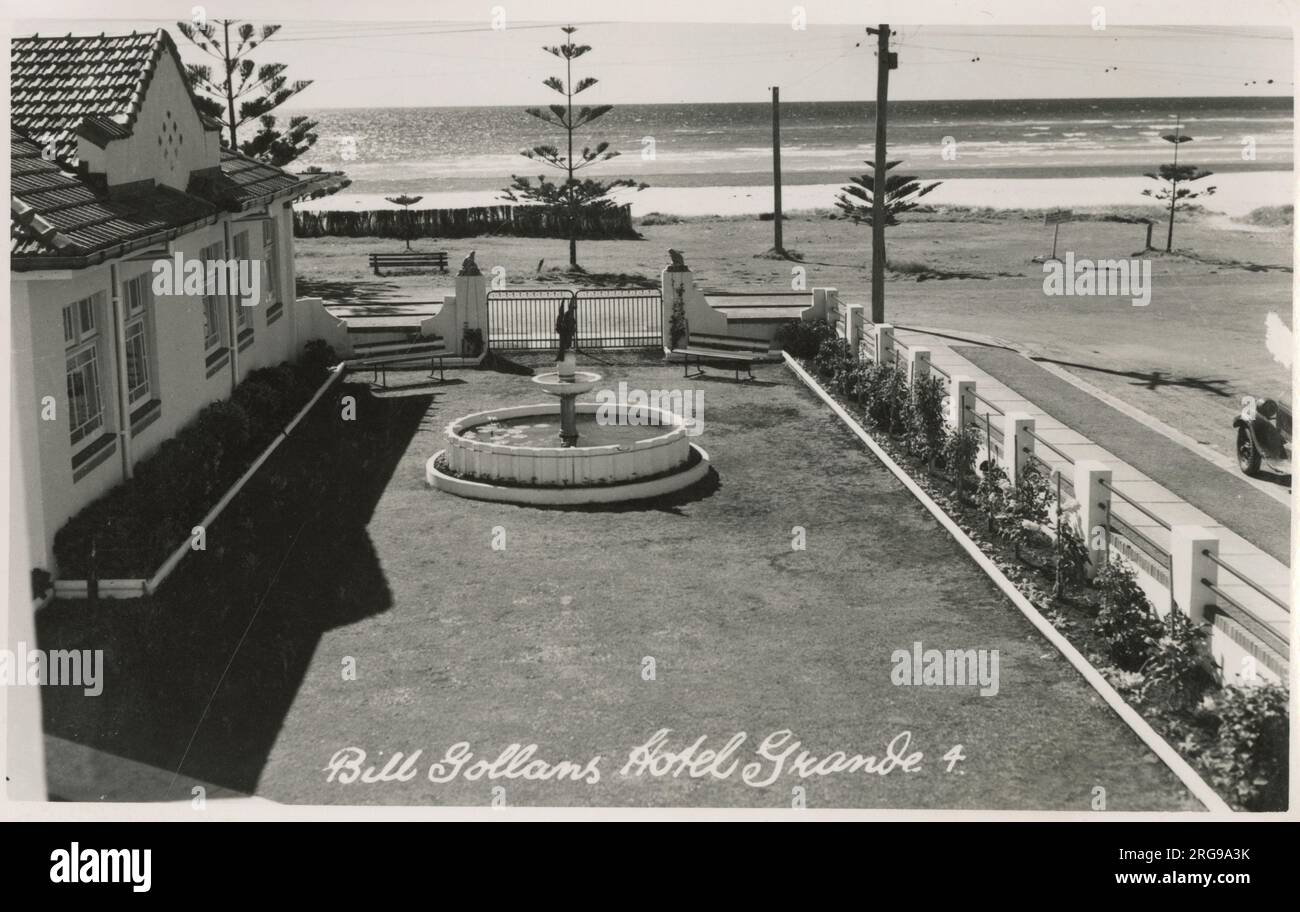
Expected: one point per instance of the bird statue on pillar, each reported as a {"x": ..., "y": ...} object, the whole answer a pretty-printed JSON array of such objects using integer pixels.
[
  {"x": 468, "y": 267},
  {"x": 678, "y": 264}
]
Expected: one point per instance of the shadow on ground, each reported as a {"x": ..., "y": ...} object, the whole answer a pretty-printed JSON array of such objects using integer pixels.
[
  {"x": 374, "y": 292},
  {"x": 1154, "y": 379},
  {"x": 198, "y": 678}
]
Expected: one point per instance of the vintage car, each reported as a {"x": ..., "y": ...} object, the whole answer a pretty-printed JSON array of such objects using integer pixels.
[{"x": 1263, "y": 436}]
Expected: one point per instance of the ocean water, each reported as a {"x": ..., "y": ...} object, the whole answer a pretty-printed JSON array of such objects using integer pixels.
[{"x": 448, "y": 150}]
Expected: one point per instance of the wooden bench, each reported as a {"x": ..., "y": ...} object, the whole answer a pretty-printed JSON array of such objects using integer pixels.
[
  {"x": 380, "y": 356},
  {"x": 436, "y": 260},
  {"x": 735, "y": 352}
]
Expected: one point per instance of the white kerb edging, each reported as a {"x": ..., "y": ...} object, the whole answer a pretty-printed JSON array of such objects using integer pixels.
[{"x": 1148, "y": 735}]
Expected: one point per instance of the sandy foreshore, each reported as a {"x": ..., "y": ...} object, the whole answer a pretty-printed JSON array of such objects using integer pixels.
[{"x": 1237, "y": 193}]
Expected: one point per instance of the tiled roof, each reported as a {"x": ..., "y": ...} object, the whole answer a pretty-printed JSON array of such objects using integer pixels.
[
  {"x": 94, "y": 87},
  {"x": 59, "y": 220},
  {"x": 57, "y": 83}
]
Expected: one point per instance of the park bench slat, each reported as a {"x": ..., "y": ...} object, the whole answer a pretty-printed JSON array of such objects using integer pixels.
[
  {"x": 436, "y": 259},
  {"x": 423, "y": 345},
  {"x": 735, "y": 352}
]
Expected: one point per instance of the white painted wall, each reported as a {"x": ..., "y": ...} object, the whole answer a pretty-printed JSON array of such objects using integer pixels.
[{"x": 178, "y": 372}]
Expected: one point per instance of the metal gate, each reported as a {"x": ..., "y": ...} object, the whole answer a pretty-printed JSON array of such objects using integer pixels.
[{"x": 524, "y": 318}]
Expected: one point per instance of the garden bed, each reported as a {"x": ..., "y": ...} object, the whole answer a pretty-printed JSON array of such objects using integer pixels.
[
  {"x": 1236, "y": 737},
  {"x": 130, "y": 532}
]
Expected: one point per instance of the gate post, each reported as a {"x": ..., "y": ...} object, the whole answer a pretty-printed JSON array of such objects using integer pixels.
[
  {"x": 471, "y": 303},
  {"x": 676, "y": 284}
]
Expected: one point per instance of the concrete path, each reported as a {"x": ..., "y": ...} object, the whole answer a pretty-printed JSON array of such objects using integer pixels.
[{"x": 1173, "y": 486}]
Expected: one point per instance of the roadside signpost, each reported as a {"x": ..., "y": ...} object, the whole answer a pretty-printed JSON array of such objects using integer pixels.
[{"x": 1055, "y": 217}]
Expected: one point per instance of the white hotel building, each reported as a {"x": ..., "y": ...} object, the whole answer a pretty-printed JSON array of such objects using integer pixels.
[{"x": 114, "y": 167}]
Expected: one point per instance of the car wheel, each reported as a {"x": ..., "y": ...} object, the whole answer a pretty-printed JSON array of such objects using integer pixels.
[{"x": 1247, "y": 455}]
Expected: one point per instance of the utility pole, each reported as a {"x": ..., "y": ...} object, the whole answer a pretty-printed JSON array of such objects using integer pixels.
[
  {"x": 885, "y": 61},
  {"x": 1173, "y": 187},
  {"x": 778, "y": 245}
]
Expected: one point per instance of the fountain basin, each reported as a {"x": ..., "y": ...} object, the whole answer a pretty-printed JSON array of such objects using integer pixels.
[{"x": 659, "y": 459}]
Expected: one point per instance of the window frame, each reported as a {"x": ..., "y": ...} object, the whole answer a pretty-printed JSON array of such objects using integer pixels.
[
  {"x": 137, "y": 296},
  {"x": 81, "y": 360},
  {"x": 239, "y": 252},
  {"x": 213, "y": 303},
  {"x": 270, "y": 260}
]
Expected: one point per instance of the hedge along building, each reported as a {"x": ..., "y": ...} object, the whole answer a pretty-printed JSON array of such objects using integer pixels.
[{"x": 115, "y": 168}]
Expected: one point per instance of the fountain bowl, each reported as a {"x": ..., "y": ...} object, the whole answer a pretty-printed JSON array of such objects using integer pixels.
[{"x": 558, "y": 384}]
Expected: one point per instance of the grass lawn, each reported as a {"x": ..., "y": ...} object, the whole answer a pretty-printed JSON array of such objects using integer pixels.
[
  {"x": 1186, "y": 358},
  {"x": 545, "y": 641}
]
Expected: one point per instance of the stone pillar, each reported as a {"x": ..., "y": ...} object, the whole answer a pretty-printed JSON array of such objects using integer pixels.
[
  {"x": 853, "y": 318},
  {"x": 471, "y": 302},
  {"x": 821, "y": 298},
  {"x": 1092, "y": 491},
  {"x": 918, "y": 366},
  {"x": 1188, "y": 566},
  {"x": 675, "y": 284},
  {"x": 961, "y": 400},
  {"x": 885, "y": 343},
  {"x": 1016, "y": 428}
]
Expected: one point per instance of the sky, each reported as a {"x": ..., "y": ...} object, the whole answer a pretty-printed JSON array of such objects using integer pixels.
[{"x": 427, "y": 62}]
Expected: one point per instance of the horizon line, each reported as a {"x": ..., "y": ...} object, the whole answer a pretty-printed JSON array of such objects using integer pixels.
[{"x": 867, "y": 101}]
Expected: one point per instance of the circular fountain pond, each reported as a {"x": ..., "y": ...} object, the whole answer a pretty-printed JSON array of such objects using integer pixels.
[{"x": 519, "y": 454}]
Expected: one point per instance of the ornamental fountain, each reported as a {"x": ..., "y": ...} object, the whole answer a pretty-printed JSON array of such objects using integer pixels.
[{"x": 603, "y": 453}]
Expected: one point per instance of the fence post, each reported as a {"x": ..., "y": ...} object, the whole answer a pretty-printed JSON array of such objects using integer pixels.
[
  {"x": 918, "y": 366},
  {"x": 960, "y": 402},
  {"x": 1016, "y": 430},
  {"x": 1092, "y": 491},
  {"x": 885, "y": 343},
  {"x": 853, "y": 325},
  {"x": 819, "y": 302},
  {"x": 1188, "y": 566}
]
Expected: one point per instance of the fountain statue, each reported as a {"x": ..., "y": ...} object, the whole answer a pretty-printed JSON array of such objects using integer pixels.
[{"x": 564, "y": 381}]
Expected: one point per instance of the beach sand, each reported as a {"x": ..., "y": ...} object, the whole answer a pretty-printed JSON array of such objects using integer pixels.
[{"x": 1238, "y": 193}]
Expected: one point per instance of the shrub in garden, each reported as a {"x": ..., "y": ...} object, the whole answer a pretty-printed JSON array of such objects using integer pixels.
[
  {"x": 804, "y": 338},
  {"x": 1248, "y": 759},
  {"x": 854, "y": 385},
  {"x": 269, "y": 396},
  {"x": 472, "y": 340},
  {"x": 1180, "y": 670},
  {"x": 1029, "y": 502},
  {"x": 136, "y": 524},
  {"x": 959, "y": 452},
  {"x": 1070, "y": 552},
  {"x": 318, "y": 356},
  {"x": 898, "y": 396},
  {"x": 923, "y": 420},
  {"x": 834, "y": 357},
  {"x": 992, "y": 496},
  {"x": 1127, "y": 622},
  {"x": 876, "y": 396}
]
